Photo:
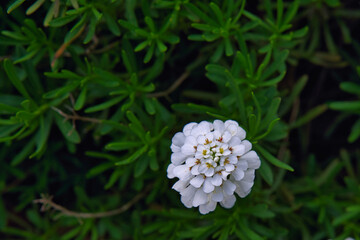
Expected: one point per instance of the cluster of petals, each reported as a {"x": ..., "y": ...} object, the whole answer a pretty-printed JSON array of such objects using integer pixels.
[{"x": 212, "y": 161}]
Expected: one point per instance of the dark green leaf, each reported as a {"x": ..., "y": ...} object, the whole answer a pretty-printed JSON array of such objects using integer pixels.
[
  {"x": 310, "y": 115},
  {"x": 140, "y": 166},
  {"x": 61, "y": 21},
  {"x": 355, "y": 132},
  {"x": 111, "y": 23},
  {"x": 273, "y": 160},
  {"x": 67, "y": 129},
  {"x": 81, "y": 99},
  {"x": 266, "y": 173},
  {"x": 122, "y": 145},
  {"x": 350, "y": 87},
  {"x": 104, "y": 105},
  {"x": 42, "y": 135},
  {"x": 34, "y": 7},
  {"x": 133, "y": 156},
  {"x": 11, "y": 73},
  {"x": 14, "y": 5}
]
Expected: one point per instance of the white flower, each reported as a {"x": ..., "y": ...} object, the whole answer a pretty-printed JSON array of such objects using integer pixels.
[{"x": 212, "y": 161}]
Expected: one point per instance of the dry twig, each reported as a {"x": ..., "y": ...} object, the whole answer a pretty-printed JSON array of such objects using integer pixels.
[
  {"x": 63, "y": 47},
  {"x": 48, "y": 203},
  {"x": 172, "y": 88},
  {"x": 76, "y": 116}
]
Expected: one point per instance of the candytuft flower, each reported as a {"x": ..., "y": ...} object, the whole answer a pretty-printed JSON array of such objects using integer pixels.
[{"x": 212, "y": 161}]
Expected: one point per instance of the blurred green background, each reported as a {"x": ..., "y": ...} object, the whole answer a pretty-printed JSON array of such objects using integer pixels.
[{"x": 91, "y": 93}]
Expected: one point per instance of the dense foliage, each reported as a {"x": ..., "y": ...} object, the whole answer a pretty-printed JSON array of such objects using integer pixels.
[{"x": 92, "y": 92}]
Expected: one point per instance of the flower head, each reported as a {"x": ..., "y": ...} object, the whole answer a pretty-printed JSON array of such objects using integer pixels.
[{"x": 212, "y": 161}]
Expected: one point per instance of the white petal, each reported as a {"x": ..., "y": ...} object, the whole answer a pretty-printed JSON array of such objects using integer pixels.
[
  {"x": 238, "y": 150},
  {"x": 208, "y": 207},
  {"x": 203, "y": 209},
  {"x": 188, "y": 127},
  {"x": 209, "y": 172},
  {"x": 188, "y": 149},
  {"x": 217, "y": 195},
  {"x": 228, "y": 201},
  {"x": 195, "y": 170},
  {"x": 187, "y": 201},
  {"x": 226, "y": 152},
  {"x": 180, "y": 185},
  {"x": 202, "y": 129},
  {"x": 198, "y": 155},
  {"x": 226, "y": 136},
  {"x": 242, "y": 164},
  {"x": 210, "y": 136},
  {"x": 216, "y": 179},
  {"x": 201, "y": 139},
  {"x": 197, "y": 181},
  {"x": 189, "y": 191},
  {"x": 234, "y": 141},
  {"x": 224, "y": 175},
  {"x": 233, "y": 160},
  {"x": 230, "y": 122},
  {"x": 175, "y": 148},
  {"x": 232, "y": 129},
  {"x": 249, "y": 175},
  {"x": 218, "y": 169},
  {"x": 224, "y": 146},
  {"x": 229, "y": 167},
  {"x": 244, "y": 186},
  {"x": 252, "y": 159},
  {"x": 229, "y": 187},
  {"x": 241, "y": 133},
  {"x": 238, "y": 174},
  {"x": 211, "y": 205},
  {"x": 190, "y": 162},
  {"x": 247, "y": 145},
  {"x": 200, "y": 148},
  {"x": 200, "y": 197},
  {"x": 178, "y": 158},
  {"x": 182, "y": 172},
  {"x": 178, "y": 139},
  {"x": 187, "y": 196},
  {"x": 202, "y": 168},
  {"x": 219, "y": 126},
  {"x": 170, "y": 169},
  {"x": 191, "y": 140},
  {"x": 208, "y": 186},
  {"x": 217, "y": 134}
]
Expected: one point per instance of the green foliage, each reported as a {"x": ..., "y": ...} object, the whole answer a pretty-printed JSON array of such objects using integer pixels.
[{"x": 92, "y": 92}]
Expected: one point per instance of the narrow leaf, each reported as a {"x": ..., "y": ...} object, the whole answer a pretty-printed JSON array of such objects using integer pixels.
[
  {"x": 34, "y": 7},
  {"x": 123, "y": 145},
  {"x": 273, "y": 160},
  {"x": 133, "y": 156},
  {"x": 14, "y": 5},
  {"x": 11, "y": 73},
  {"x": 105, "y": 105},
  {"x": 310, "y": 115}
]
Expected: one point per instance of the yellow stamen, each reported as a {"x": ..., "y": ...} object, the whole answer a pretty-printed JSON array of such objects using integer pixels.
[{"x": 221, "y": 150}]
